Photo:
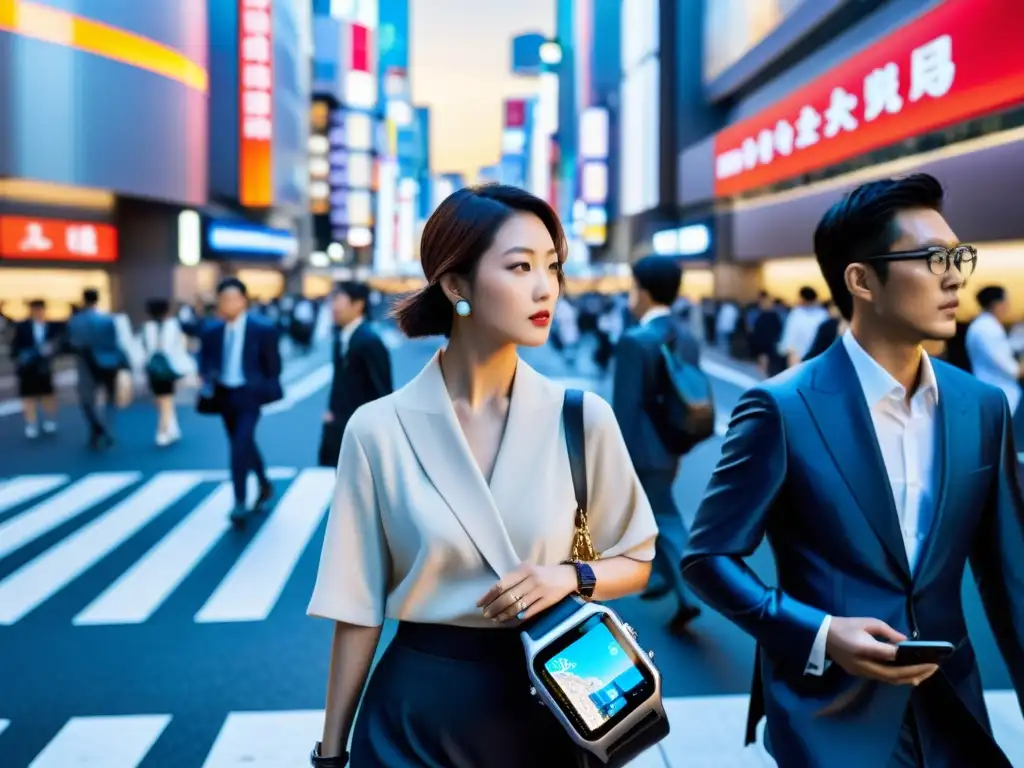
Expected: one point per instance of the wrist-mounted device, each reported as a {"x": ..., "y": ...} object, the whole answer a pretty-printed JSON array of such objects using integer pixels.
[{"x": 588, "y": 669}]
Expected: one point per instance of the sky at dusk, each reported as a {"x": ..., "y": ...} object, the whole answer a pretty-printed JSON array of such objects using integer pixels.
[{"x": 460, "y": 61}]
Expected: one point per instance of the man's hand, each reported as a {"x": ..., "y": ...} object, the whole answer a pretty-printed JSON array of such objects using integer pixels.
[{"x": 866, "y": 648}]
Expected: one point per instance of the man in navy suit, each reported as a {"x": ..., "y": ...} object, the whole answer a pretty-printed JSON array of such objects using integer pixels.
[
  {"x": 240, "y": 365},
  {"x": 876, "y": 473}
]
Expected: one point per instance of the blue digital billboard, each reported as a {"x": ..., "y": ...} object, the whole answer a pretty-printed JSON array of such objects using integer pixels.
[{"x": 118, "y": 101}]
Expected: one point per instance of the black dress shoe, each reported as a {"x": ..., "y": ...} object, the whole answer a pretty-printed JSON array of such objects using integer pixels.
[
  {"x": 239, "y": 515},
  {"x": 680, "y": 623},
  {"x": 266, "y": 494}
]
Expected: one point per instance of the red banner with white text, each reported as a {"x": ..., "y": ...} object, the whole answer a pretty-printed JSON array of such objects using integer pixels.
[{"x": 959, "y": 61}]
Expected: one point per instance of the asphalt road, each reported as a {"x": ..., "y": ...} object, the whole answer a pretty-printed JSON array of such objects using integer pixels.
[{"x": 136, "y": 629}]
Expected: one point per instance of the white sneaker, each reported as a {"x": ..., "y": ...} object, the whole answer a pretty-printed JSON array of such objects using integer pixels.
[
  {"x": 31, "y": 431},
  {"x": 162, "y": 439},
  {"x": 49, "y": 427}
]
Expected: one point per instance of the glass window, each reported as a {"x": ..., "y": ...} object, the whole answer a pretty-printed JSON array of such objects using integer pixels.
[{"x": 734, "y": 27}]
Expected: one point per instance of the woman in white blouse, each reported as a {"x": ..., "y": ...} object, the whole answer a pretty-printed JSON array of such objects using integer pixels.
[
  {"x": 166, "y": 359},
  {"x": 454, "y": 511}
]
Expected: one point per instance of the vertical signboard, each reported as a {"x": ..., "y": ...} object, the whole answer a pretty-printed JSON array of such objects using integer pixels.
[{"x": 256, "y": 111}]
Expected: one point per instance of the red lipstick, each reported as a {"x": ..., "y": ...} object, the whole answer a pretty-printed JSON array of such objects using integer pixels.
[{"x": 541, "y": 319}]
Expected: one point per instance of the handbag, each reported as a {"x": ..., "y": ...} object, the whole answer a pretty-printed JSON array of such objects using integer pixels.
[
  {"x": 616, "y": 716},
  {"x": 159, "y": 367}
]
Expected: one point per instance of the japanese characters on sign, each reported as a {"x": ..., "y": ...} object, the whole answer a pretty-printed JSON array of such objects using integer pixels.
[
  {"x": 27, "y": 238},
  {"x": 256, "y": 112},
  {"x": 945, "y": 67}
]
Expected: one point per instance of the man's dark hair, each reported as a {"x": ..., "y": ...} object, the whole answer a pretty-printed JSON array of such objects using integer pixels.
[
  {"x": 660, "y": 276},
  {"x": 356, "y": 291},
  {"x": 862, "y": 225},
  {"x": 231, "y": 282},
  {"x": 90, "y": 297},
  {"x": 808, "y": 294},
  {"x": 990, "y": 295},
  {"x": 37, "y": 304}
]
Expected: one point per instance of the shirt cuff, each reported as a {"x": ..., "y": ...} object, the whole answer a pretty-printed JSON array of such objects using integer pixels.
[{"x": 817, "y": 663}]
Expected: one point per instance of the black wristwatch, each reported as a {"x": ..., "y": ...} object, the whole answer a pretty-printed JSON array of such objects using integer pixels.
[
  {"x": 585, "y": 579},
  {"x": 318, "y": 761}
]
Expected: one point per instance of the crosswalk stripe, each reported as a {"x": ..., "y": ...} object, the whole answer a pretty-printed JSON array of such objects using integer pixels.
[
  {"x": 69, "y": 503},
  {"x": 140, "y": 590},
  {"x": 19, "y": 489},
  {"x": 707, "y": 732},
  {"x": 252, "y": 587},
  {"x": 41, "y": 578},
  {"x": 265, "y": 739},
  {"x": 114, "y": 742}
]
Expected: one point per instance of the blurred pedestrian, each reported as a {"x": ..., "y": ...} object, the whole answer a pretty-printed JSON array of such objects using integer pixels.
[
  {"x": 240, "y": 367},
  {"x": 167, "y": 360},
  {"x": 33, "y": 347},
  {"x": 93, "y": 337},
  {"x": 362, "y": 366}
]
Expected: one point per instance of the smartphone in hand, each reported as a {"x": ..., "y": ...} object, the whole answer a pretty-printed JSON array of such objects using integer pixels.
[{"x": 913, "y": 652}]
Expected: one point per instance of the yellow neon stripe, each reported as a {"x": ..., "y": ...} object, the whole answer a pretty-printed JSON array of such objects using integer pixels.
[{"x": 55, "y": 26}]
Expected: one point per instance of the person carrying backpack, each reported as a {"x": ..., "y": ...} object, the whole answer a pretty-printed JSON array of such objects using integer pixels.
[{"x": 662, "y": 400}]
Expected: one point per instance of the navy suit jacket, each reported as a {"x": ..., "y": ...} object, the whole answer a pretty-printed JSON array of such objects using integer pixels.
[
  {"x": 637, "y": 357},
  {"x": 801, "y": 465},
  {"x": 261, "y": 358}
]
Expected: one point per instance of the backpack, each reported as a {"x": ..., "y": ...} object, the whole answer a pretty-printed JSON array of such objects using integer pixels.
[{"x": 682, "y": 405}]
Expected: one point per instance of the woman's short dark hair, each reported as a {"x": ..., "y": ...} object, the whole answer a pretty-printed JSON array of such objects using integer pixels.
[{"x": 454, "y": 238}]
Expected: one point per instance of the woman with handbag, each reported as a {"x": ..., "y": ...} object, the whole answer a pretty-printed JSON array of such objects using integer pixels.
[
  {"x": 454, "y": 512},
  {"x": 166, "y": 360}
]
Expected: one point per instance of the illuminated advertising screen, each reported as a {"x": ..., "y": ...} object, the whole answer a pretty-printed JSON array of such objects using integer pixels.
[
  {"x": 39, "y": 239},
  {"x": 639, "y": 124},
  {"x": 118, "y": 102}
]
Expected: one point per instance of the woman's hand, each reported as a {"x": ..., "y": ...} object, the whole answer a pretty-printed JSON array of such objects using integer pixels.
[{"x": 527, "y": 591}]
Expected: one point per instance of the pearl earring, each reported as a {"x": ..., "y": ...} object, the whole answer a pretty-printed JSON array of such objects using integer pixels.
[{"x": 462, "y": 308}]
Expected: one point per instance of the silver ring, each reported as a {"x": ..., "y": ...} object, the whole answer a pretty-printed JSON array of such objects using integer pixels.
[
  {"x": 514, "y": 599},
  {"x": 521, "y": 607}
]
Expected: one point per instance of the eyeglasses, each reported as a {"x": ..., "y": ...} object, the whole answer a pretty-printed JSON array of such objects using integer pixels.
[{"x": 963, "y": 257}]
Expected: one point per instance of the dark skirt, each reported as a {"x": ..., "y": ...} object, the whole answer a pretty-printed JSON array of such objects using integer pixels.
[
  {"x": 35, "y": 383},
  {"x": 161, "y": 387},
  {"x": 453, "y": 697}
]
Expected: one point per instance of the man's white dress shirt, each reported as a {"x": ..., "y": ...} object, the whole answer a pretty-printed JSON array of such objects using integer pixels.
[
  {"x": 992, "y": 358},
  {"x": 345, "y": 335},
  {"x": 232, "y": 373},
  {"x": 906, "y": 437},
  {"x": 800, "y": 328}
]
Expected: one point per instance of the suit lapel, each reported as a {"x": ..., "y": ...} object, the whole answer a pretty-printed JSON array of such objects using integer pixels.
[
  {"x": 436, "y": 437},
  {"x": 952, "y": 419},
  {"x": 836, "y": 402}
]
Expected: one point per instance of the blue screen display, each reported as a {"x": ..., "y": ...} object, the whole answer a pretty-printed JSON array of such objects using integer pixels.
[{"x": 595, "y": 673}]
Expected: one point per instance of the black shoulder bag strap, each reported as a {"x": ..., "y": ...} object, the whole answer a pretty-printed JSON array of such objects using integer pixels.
[{"x": 576, "y": 443}]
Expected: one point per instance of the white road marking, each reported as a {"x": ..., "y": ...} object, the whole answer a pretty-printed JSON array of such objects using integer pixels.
[
  {"x": 69, "y": 503},
  {"x": 121, "y": 741},
  {"x": 302, "y": 389},
  {"x": 134, "y": 597},
  {"x": 40, "y": 579},
  {"x": 253, "y": 586},
  {"x": 265, "y": 739},
  {"x": 18, "y": 489}
]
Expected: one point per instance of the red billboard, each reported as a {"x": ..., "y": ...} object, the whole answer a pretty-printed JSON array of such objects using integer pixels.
[
  {"x": 959, "y": 61},
  {"x": 56, "y": 239},
  {"x": 256, "y": 103}
]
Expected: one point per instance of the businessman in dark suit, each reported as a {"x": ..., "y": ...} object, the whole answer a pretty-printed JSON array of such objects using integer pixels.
[
  {"x": 33, "y": 347},
  {"x": 240, "y": 365},
  {"x": 656, "y": 283},
  {"x": 92, "y": 336},
  {"x": 362, "y": 366},
  {"x": 876, "y": 473}
]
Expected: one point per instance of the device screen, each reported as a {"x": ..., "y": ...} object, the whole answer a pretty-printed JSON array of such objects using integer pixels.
[{"x": 596, "y": 675}]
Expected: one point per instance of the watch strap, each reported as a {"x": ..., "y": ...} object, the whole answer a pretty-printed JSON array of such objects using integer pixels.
[
  {"x": 644, "y": 735},
  {"x": 547, "y": 620}
]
